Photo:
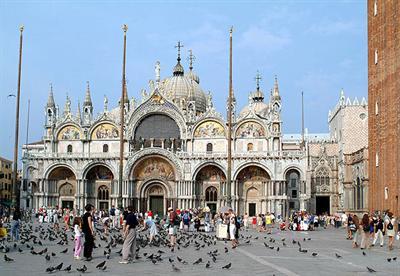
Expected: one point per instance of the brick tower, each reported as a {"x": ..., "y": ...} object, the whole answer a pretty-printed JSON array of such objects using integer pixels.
[{"x": 384, "y": 104}]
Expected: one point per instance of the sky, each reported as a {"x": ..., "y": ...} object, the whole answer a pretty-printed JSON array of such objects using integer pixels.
[{"x": 318, "y": 47}]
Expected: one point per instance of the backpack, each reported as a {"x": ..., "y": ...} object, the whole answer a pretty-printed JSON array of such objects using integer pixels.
[
  {"x": 186, "y": 218},
  {"x": 353, "y": 227},
  {"x": 390, "y": 226},
  {"x": 177, "y": 220},
  {"x": 112, "y": 212}
]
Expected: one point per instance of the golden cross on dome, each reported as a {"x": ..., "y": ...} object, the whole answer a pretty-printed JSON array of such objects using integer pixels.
[
  {"x": 179, "y": 46},
  {"x": 258, "y": 78}
]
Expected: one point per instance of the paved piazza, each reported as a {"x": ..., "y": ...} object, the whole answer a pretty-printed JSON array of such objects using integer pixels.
[{"x": 252, "y": 258}]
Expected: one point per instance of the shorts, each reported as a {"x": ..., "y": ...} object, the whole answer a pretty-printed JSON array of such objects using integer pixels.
[{"x": 172, "y": 230}]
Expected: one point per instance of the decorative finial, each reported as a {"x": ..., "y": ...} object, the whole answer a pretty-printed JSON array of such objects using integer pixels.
[
  {"x": 258, "y": 78},
  {"x": 231, "y": 31},
  {"x": 191, "y": 58},
  {"x": 105, "y": 103},
  {"x": 125, "y": 28},
  {"x": 157, "y": 70},
  {"x": 87, "y": 86},
  {"x": 21, "y": 28},
  {"x": 179, "y": 46}
]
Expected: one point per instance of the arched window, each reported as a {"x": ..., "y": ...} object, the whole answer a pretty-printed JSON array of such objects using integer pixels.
[
  {"x": 322, "y": 177},
  {"x": 69, "y": 148},
  {"x": 103, "y": 193},
  {"x": 250, "y": 147},
  {"x": 105, "y": 148},
  {"x": 211, "y": 194},
  {"x": 358, "y": 195},
  {"x": 209, "y": 148}
]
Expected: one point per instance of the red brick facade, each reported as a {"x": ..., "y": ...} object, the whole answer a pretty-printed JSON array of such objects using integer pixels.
[{"x": 384, "y": 104}]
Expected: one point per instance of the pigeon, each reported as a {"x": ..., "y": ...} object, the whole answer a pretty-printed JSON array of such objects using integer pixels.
[
  {"x": 82, "y": 269},
  {"x": 53, "y": 254},
  {"x": 226, "y": 249},
  {"x": 371, "y": 270},
  {"x": 198, "y": 261},
  {"x": 365, "y": 254},
  {"x": 47, "y": 257},
  {"x": 59, "y": 267},
  {"x": 337, "y": 255},
  {"x": 68, "y": 268},
  {"x": 100, "y": 265},
  {"x": 174, "y": 268},
  {"x": 50, "y": 269},
  {"x": 170, "y": 260},
  {"x": 277, "y": 249},
  {"x": 389, "y": 259},
  {"x": 314, "y": 254},
  {"x": 394, "y": 258},
  {"x": 153, "y": 261},
  {"x": 7, "y": 259},
  {"x": 65, "y": 251},
  {"x": 208, "y": 264},
  {"x": 227, "y": 266}
]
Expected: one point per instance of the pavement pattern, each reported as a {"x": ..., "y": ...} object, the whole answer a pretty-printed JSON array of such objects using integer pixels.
[{"x": 280, "y": 253}]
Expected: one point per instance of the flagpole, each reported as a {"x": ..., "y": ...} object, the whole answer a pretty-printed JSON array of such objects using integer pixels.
[
  {"x": 15, "y": 187},
  {"x": 229, "y": 167}
]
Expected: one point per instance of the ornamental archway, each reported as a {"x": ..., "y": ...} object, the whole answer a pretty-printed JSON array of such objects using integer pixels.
[
  {"x": 61, "y": 187},
  {"x": 98, "y": 186}
]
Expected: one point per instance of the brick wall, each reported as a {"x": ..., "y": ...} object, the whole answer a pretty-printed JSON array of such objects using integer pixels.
[{"x": 384, "y": 92}]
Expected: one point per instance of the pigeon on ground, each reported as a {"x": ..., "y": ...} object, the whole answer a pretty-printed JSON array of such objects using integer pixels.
[
  {"x": 7, "y": 259},
  {"x": 208, "y": 264},
  {"x": 227, "y": 266},
  {"x": 314, "y": 254},
  {"x": 100, "y": 265},
  {"x": 68, "y": 268},
  {"x": 82, "y": 269},
  {"x": 371, "y": 270},
  {"x": 174, "y": 268},
  {"x": 365, "y": 254},
  {"x": 198, "y": 261},
  {"x": 65, "y": 251},
  {"x": 59, "y": 267},
  {"x": 337, "y": 255}
]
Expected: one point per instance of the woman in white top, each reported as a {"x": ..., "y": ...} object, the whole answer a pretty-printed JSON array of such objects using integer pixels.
[
  {"x": 390, "y": 231},
  {"x": 232, "y": 229}
]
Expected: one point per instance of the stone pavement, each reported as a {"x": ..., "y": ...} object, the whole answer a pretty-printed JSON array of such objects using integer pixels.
[{"x": 252, "y": 258}]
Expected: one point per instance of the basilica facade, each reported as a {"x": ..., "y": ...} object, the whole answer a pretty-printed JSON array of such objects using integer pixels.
[{"x": 175, "y": 154}]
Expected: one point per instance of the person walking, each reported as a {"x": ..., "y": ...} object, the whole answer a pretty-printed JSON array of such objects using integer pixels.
[
  {"x": 379, "y": 231},
  {"x": 78, "y": 237},
  {"x": 112, "y": 217},
  {"x": 87, "y": 229},
  {"x": 151, "y": 225},
  {"x": 232, "y": 229},
  {"x": 16, "y": 220},
  {"x": 173, "y": 223},
  {"x": 356, "y": 222},
  {"x": 389, "y": 229},
  {"x": 365, "y": 226},
  {"x": 129, "y": 246}
]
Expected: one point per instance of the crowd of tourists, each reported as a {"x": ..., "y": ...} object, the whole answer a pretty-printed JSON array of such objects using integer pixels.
[{"x": 364, "y": 231}]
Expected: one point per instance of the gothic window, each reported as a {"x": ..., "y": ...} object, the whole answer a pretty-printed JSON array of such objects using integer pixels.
[
  {"x": 358, "y": 195},
  {"x": 69, "y": 148},
  {"x": 322, "y": 177},
  {"x": 209, "y": 148},
  {"x": 105, "y": 148},
  {"x": 250, "y": 147},
  {"x": 211, "y": 194},
  {"x": 103, "y": 193}
]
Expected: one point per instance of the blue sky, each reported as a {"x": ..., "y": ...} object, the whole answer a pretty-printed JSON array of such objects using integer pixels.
[{"x": 317, "y": 47}]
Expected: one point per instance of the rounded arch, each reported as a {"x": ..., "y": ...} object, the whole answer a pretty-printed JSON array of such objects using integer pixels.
[
  {"x": 148, "y": 152},
  {"x": 66, "y": 189},
  {"x": 203, "y": 165},
  {"x": 151, "y": 107},
  {"x": 252, "y": 193},
  {"x": 92, "y": 165},
  {"x": 293, "y": 168},
  {"x": 68, "y": 131},
  {"x": 209, "y": 128},
  {"x": 104, "y": 130},
  {"x": 153, "y": 167},
  {"x": 252, "y": 164},
  {"x": 53, "y": 167},
  {"x": 144, "y": 188},
  {"x": 250, "y": 129},
  {"x": 157, "y": 126}
]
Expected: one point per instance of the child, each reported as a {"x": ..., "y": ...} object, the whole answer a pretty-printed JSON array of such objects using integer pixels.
[
  {"x": 78, "y": 237},
  {"x": 3, "y": 231}
]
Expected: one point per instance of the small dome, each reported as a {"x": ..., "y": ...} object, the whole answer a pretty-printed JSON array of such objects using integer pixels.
[
  {"x": 192, "y": 75},
  {"x": 179, "y": 88}
]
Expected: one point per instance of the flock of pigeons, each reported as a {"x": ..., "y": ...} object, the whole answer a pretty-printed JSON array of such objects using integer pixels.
[{"x": 37, "y": 239}]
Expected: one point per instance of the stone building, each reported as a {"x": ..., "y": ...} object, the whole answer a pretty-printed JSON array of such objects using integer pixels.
[
  {"x": 6, "y": 187},
  {"x": 384, "y": 102},
  {"x": 176, "y": 154}
]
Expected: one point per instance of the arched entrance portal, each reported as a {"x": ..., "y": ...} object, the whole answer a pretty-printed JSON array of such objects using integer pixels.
[
  {"x": 98, "y": 186},
  {"x": 153, "y": 177},
  {"x": 61, "y": 187},
  {"x": 209, "y": 181},
  {"x": 251, "y": 181}
]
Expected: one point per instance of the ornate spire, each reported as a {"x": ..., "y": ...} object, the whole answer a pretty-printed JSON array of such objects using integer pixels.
[
  {"x": 50, "y": 100},
  {"x": 78, "y": 112},
  {"x": 105, "y": 104},
  {"x": 258, "y": 78},
  {"x": 342, "y": 98},
  {"x": 88, "y": 99},
  {"x": 192, "y": 75},
  {"x": 276, "y": 88},
  {"x": 178, "y": 69},
  {"x": 191, "y": 59},
  {"x": 258, "y": 95},
  {"x": 67, "y": 107}
]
